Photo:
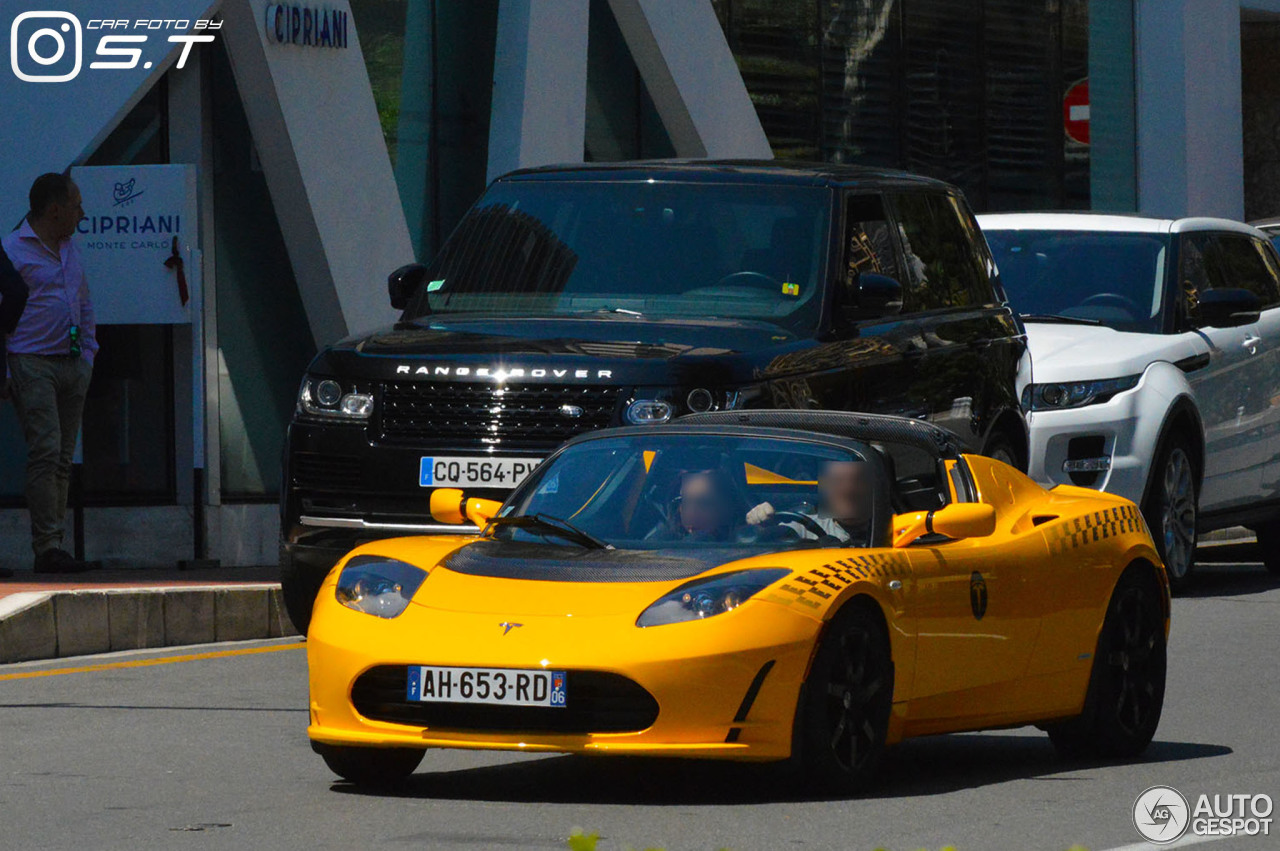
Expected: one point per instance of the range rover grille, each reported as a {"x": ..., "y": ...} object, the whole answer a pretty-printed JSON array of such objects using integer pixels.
[{"x": 485, "y": 414}]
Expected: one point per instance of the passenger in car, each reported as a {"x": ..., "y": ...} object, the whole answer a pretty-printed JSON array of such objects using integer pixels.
[
  {"x": 845, "y": 490},
  {"x": 706, "y": 508}
]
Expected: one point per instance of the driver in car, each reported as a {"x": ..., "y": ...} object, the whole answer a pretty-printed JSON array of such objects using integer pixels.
[{"x": 845, "y": 489}]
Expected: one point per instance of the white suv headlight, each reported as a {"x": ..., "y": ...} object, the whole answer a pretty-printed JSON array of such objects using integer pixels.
[{"x": 1076, "y": 394}]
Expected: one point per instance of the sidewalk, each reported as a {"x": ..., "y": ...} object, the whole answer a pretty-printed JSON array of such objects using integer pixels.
[{"x": 50, "y": 616}]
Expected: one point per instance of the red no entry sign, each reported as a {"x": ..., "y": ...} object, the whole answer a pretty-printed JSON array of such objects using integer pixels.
[{"x": 1075, "y": 112}]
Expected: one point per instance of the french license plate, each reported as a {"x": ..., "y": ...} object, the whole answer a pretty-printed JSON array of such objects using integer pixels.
[
  {"x": 502, "y": 686},
  {"x": 462, "y": 471}
]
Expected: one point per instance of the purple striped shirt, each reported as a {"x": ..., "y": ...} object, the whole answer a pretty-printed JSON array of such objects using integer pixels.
[{"x": 59, "y": 297}]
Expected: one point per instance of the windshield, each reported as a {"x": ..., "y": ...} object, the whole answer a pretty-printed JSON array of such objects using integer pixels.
[
  {"x": 662, "y": 250},
  {"x": 1114, "y": 279},
  {"x": 699, "y": 490}
]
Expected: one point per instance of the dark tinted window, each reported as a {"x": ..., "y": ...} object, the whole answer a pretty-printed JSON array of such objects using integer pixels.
[
  {"x": 868, "y": 241},
  {"x": 1245, "y": 266},
  {"x": 1214, "y": 261},
  {"x": 944, "y": 266}
]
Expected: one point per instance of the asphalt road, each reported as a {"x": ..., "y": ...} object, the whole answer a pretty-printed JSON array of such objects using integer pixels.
[{"x": 210, "y": 753}]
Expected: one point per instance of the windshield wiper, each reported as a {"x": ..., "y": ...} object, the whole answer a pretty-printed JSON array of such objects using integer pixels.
[
  {"x": 547, "y": 523},
  {"x": 1059, "y": 319},
  {"x": 622, "y": 310}
]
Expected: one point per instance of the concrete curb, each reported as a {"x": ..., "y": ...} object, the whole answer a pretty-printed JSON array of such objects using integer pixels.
[{"x": 54, "y": 624}]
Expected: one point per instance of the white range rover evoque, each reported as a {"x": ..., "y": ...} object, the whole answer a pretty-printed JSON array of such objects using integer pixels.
[{"x": 1155, "y": 359}]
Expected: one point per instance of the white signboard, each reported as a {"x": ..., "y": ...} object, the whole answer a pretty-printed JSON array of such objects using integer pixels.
[{"x": 136, "y": 242}]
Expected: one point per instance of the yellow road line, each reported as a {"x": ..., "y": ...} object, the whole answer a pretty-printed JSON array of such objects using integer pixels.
[{"x": 146, "y": 663}]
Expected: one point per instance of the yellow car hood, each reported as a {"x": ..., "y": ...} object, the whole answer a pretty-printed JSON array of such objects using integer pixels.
[{"x": 491, "y": 578}]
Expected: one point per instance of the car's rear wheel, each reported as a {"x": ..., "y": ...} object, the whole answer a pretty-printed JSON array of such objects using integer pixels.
[
  {"x": 1171, "y": 509},
  {"x": 371, "y": 766},
  {"x": 847, "y": 699},
  {"x": 1126, "y": 687},
  {"x": 1269, "y": 545}
]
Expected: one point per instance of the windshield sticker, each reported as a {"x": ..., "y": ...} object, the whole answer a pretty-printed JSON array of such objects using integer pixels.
[
  {"x": 432, "y": 286},
  {"x": 790, "y": 289},
  {"x": 552, "y": 484}
]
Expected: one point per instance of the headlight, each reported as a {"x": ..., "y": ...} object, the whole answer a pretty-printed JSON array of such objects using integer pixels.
[
  {"x": 1077, "y": 394},
  {"x": 378, "y": 586},
  {"x": 325, "y": 397},
  {"x": 655, "y": 406},
  {"x": 704, "y": 598},
  {"x": 649, "y": 412}
]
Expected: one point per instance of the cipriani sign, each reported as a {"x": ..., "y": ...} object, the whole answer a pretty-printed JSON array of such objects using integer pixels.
[{"x": 308, "y": 26}]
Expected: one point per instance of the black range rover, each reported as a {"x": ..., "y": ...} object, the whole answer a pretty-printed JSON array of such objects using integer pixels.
[{"x": 578, "y": 297}]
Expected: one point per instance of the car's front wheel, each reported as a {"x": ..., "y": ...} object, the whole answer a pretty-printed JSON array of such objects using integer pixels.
[
  {"x": 1126, "y": 687},
  {"x": 1171, "y": 509},
  {"x": 1269, "y": 545},
  {"x": 847, "y": 700},
  {"x": 370, "y": 766}
]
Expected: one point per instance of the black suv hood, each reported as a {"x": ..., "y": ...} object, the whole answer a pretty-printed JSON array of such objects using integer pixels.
[{"x": 611, "y": 350}]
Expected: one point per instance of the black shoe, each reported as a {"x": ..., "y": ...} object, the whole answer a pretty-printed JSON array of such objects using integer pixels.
[
  {"x": 6, "y": 573},
  {"x": 60, "y": 561}
]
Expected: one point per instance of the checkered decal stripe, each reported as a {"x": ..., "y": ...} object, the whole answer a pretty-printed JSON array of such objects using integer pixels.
[
  {"x": 815, "y": 588},
  {"x": 1090, "y": 528}
]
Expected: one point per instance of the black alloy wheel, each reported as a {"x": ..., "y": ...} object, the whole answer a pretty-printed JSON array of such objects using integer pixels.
[
  {"x": 848, "y": 697},
  {"x": 1126, "y": 686}
]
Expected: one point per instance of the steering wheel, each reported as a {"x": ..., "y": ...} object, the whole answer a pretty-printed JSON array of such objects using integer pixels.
[
  {"x": 811, "y": 525},
  {"x": 750, "y": 279},
  {"x": 1115, "y": 300}
]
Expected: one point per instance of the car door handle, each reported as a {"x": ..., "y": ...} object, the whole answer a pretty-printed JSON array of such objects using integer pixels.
[{"x": 1251, "y": 343}]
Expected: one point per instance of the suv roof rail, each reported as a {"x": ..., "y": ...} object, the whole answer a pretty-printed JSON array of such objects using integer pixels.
[{"x": 848, "y": 424}]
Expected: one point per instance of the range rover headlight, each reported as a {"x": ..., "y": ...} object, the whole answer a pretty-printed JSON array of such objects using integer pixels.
[
  {"x": 1078, "y": 394},
  {"x": 378, "y": 586},
  {"x": 649, "y": 412},
  {"x": 705, "y": 598},
  {"x": 326, "y": 397}
]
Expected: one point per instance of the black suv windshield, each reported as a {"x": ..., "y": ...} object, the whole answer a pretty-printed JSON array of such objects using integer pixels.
[
  {"x": 1109, "y": 278},
  {"x": 653, "y": 248}
]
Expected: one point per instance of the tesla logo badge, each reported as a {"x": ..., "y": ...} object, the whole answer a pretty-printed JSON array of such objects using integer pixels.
[
  {"x": 978, "y": 594},
  {"x": 571, "y": 411},
  {"x": 507, "y": 626}
]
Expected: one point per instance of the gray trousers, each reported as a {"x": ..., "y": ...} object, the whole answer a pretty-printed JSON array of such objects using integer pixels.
[{"x": 48, "y": 393}]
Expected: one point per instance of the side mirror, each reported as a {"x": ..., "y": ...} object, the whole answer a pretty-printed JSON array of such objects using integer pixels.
[
  {"x": 404, "y": 282},
  {"x": 958, "y": 520},
  {"x": 1228, "y": 308},
  {"x": 877, "y": 295},
  {"x": 450, "y": 505}
]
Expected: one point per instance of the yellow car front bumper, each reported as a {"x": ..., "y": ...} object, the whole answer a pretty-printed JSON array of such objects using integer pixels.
[{"x": 725, "y": 687}]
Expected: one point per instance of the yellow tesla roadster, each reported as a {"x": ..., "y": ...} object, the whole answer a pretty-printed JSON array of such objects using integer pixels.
[{"x": 769, "y": 585}]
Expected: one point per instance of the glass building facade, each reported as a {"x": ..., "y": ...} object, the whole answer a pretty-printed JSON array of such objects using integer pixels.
[
  {"x": 992, "y": 95},
  {"x": 969, "y": 91}
]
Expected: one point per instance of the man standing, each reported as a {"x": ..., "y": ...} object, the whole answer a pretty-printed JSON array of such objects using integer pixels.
[{"x": 51, "y": 359}]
